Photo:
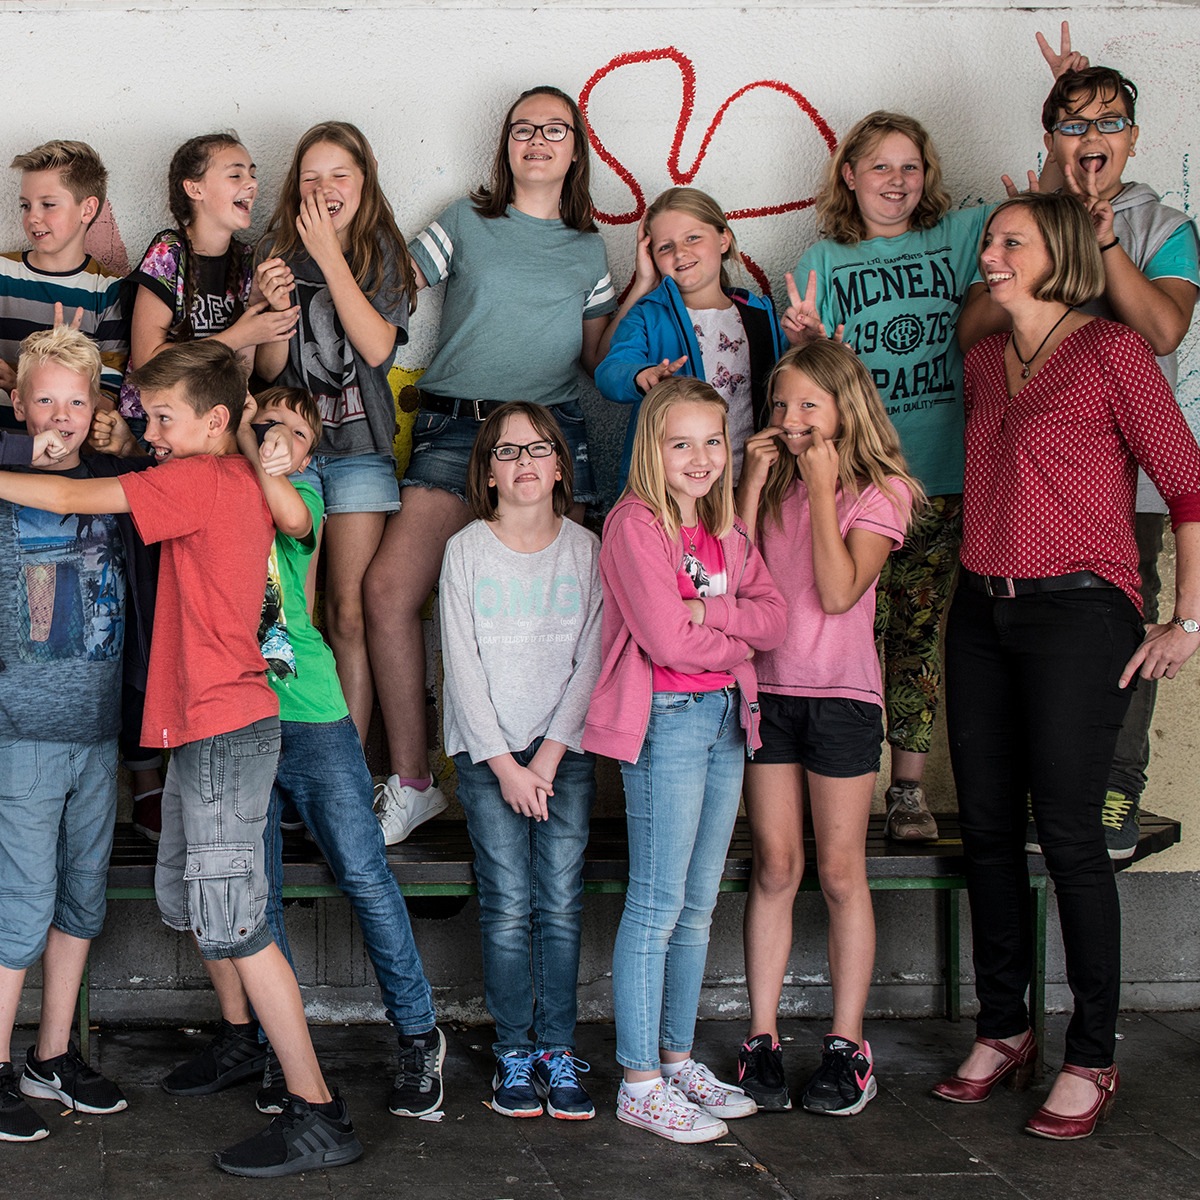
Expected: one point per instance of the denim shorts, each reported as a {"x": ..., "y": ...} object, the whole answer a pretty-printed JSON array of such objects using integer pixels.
[
  {"x": 441, "y": 449},
  {"x": 58, "y": 803},
  {"x": 210, "y": 878},
  {"x": 827, "y": 735},
  {"x": 353, "y": 483}
]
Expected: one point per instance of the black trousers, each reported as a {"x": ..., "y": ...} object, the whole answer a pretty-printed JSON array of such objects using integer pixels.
[{"x": 1033, "y": 710}]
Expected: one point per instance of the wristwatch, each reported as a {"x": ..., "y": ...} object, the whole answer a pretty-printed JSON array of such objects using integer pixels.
[{"x": 1186, "y": 624}]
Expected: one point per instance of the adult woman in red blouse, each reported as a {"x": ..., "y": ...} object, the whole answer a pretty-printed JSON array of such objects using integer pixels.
[{"x": 1045, "y": 633}]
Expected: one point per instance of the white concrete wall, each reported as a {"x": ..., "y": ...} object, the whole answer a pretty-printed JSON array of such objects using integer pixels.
[{"x": 429, "y": 82}]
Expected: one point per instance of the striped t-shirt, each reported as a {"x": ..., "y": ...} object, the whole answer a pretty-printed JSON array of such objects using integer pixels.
[{"x": 27, "y": 299}]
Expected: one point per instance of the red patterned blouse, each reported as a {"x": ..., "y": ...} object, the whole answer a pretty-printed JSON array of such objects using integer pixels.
[{"x": 1051, "y": 472}]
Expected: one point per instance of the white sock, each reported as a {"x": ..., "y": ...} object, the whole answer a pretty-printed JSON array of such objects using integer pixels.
[
  {"x": 641, "y": 1089},
  {"x": 673, "y": 1068}
]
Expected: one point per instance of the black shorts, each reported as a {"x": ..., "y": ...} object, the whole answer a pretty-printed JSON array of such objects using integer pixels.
[{"x": 829, "y": 736}]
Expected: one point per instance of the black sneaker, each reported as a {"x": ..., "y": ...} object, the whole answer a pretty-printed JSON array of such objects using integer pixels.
[
  {"x": 845, "y": 1080},
  {"x": 68, "y": 1079},
  {"x": 512, "y": 1086},
  {"x": 1121, "y": 825},
  {"x": 417, "y": 1090},
  {"x": 231, "y": 1057},
  {"x": 18, "y": 1122},
  {"x": 299, "y": 1139},
  {"x": 760, "y": 1074},
  {"x": 556, "y": 1081},
  {"x": 271, "y": 1095}
]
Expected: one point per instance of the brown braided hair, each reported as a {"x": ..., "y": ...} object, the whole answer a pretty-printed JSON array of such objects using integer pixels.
[{"x": 190, "y": 162}]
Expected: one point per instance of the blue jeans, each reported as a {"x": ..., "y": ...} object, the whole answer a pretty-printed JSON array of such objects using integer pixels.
[
  {"x": 530, "y": 877},
  {"x": 323, "y": 773},
  {"x": 681, "y": 799},
  {"x": 58, "y": 803}
]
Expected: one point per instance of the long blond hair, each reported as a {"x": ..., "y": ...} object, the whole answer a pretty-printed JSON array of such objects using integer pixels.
[
  {"x": 868, "y": 446},
  {"x": 647, "y": 476},
  {"x": 373, "y": 236},
  {"x": 838, "y": 216}
]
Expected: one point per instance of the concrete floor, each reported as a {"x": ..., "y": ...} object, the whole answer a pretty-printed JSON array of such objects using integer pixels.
[{"x": 905, "y": 1144}]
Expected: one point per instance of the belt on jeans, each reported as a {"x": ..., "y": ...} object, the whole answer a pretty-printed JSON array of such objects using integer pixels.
[
  {"x": 462, "y": 410},
  {"x": 1004, "y": 587}
]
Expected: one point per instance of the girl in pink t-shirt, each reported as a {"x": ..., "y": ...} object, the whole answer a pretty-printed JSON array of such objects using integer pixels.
[{"x": 826, "y": 493}]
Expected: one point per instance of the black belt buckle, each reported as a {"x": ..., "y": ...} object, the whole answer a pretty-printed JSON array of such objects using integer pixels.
[{"x": 992, "y": 582}]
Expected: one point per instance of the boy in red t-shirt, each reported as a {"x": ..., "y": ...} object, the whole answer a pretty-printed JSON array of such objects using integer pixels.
[{"x": 207, "y": 699}]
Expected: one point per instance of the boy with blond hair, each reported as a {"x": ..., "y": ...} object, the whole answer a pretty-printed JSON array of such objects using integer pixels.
[
  {"x": 63, "y": 187},
  {"x": 208, "y": 700},
  {"x": 62, "y": 628}
]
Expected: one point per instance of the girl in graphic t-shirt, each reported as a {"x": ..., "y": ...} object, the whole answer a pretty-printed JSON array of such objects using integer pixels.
[
  {"x": 827, "y": 493},
  {"x": 687, "y": 605},
  {"x": 895, "y": 268},
  {"x": 683, "y": 316},
  {"x": 333, "y": 249},
  {"x": 528, "y": 300},
  {"x": 194, "y": 280}
]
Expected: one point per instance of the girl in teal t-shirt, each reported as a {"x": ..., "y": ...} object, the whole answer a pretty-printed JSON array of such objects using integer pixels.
[{"x": 894, "y": 269}]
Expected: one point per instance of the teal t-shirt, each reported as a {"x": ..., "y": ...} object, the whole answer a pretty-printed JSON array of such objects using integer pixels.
[
  {"x": 518, "y": 289},
  {"x": 310, "y": 690},
  {"x": 899, "y": 299}
]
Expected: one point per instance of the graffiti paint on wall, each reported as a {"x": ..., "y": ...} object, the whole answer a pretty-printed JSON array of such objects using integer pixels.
[{"x": 680, "y": 174}]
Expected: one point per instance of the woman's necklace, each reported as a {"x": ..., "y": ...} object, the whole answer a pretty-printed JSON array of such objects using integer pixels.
[
  {"x": 1026, "y": 363},
  {"x": 690, "y": 534}
]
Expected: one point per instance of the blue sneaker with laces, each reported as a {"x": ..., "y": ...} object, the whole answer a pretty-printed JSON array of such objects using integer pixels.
[
  {"x": 556, "y": 1080},
  {"x": 513, "y": 1094}
]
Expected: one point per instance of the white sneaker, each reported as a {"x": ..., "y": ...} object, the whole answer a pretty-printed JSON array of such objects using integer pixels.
[
  {"x": 717, "y": 1099},
  {"x": 401, "y": 809},
  {"x": 667, "y": 1112}
]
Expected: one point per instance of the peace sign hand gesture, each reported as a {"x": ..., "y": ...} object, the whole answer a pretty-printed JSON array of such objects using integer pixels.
[
  {"x": 801, "y": 322},
  {"x": 1066, "y": 59},
  {"x": 1099, "y": 209}
]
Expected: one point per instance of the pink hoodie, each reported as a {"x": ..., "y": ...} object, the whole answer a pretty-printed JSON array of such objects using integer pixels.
[{"x": 645, "y": 621}]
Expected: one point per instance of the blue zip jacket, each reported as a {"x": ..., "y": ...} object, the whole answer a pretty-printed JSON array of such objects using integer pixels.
[{"x": 658, "y": 327}]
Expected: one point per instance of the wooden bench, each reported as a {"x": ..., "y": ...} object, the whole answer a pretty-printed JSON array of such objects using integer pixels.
[{"x": 437, "y": 861}]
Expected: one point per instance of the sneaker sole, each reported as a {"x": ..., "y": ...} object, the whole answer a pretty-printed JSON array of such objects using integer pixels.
[
  {"x": 857, "y": 1107},
  {"x": 687, "y": 1137},
  {"x": 268, "y": 1107},
  {"x": 1032, "y": 848},
  {"x": 252, "y": 1069},
  {"x": 151, "y": 835},
  {"x": 36, "y": 1136},
  {"x": 40, "y": 1090},
  {"x": 772, "y": 1101},
  {"x": 314, "y": 1160},
  {"x": 432, "y": 1108},
  {"x": 519, "y": 1113},
  {"x": 1122, "y": 854},
  {"x": 560, "y": 1114}
]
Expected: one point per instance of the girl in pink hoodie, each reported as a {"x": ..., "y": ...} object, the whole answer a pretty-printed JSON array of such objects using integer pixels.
[{"x": 687, "y": 602}]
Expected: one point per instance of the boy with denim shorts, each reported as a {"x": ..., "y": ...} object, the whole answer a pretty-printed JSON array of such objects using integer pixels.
[
  {"x": 209, "y": 702},
  {"x": 62, "y": 626},
  {"x": 322, "y": 771}
]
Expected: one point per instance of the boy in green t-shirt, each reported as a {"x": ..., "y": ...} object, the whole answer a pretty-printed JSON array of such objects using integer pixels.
[{"x": 322, "y": 770}]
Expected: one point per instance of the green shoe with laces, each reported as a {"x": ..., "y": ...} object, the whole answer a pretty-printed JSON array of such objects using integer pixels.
[{"x": 1121, "y": 827}]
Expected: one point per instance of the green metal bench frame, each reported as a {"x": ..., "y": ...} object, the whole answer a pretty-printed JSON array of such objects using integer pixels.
[{"x": 436, "y": 861}]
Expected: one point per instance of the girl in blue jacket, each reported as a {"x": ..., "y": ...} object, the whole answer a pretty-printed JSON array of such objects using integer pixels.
[{"x": 693, "y": 322}]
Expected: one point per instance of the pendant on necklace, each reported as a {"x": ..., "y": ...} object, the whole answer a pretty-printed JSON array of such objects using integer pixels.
[{"x": 1025, "y": 373}]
